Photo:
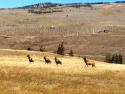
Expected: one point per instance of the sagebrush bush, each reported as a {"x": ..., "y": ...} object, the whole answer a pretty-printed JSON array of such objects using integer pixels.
[
  {"x": 28, "y": 48},
  {"x": 42, "y": 49}
]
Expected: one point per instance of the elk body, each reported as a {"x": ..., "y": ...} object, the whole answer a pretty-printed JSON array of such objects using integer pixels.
[
  {"x": 47, "y": 61},
  {"x": 58, "y": 61},
  {"x": 30, "y": 59},
  {"x": 88, "y": 62}
]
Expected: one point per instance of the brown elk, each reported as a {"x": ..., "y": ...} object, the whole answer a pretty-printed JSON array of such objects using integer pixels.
[
  {"x": 88, "y": 62},
  {"x": 57, "y": 61},
  {"x": 47, "y": 61},
  {"x": 30, "y": 59}
]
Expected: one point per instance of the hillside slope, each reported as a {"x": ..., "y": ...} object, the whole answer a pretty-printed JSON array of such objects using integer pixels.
[{"x": 20, "y": 30}]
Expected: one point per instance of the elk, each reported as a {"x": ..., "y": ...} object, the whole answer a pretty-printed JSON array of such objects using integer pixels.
[
  {"x": 30, "y": 59},
  {"x": 47, "y": 61},
  {"x": 88, "y": 62},
  {"x": 57, "y": 61}
]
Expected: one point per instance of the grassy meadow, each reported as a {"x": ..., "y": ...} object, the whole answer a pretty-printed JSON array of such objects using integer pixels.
[{"x": 17, "y": 76}]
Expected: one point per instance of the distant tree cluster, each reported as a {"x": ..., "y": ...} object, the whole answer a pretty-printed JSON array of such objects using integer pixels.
[
  {"x": 43, "y": 11},
  {"x": 88, "y": 5},
  {"x": 120, "y": 2},
  {"x": 114, "y": 58},
  {"x": 61, "y": 50},
  {"x": 99, "y": 3}
]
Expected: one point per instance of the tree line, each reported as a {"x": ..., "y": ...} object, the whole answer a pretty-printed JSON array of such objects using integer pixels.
[
  {"x": 116, "y": 58},
  {"x": 60, "y": 50},
  {"x": 43, "y": 11}
]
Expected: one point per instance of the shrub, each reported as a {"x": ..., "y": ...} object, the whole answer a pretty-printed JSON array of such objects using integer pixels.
[
  {"x": 42, "y": 49},
  {"x": 28, "y": 48}
]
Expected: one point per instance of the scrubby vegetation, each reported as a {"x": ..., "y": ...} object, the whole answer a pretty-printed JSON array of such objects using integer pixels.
[
  {"x": 42, "y": 49},
  {"x": 28, "y": 48}
]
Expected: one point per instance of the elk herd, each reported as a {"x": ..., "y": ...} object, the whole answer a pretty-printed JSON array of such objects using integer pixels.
[{"x": 59, "y": 62}]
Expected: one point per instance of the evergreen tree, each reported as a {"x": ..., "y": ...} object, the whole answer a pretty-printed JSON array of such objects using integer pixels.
[
  {"x": 113, "y": 58},
  {"x": 60, "y": 49},
  {"x": 116, "y": 59},
  {"x": 120, "y": 59},
  {"x": 71, "y": 53}
]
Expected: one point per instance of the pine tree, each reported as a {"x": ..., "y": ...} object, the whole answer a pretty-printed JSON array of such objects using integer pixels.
[
  {"x": 117, "y": 59},
  {"x": 60, "y": 49},
  {"x": 120, "y": 59},
  {"x": 71, "y": 53},
  {"x": 113, "y": 58}
]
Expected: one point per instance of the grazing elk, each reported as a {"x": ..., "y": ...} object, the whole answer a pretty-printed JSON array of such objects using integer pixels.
[
  {"x": 47, "y": 61},
  {"x": 57, "y": 61},
  {"x": 30, "y": 59},
  {"x": 88, "y": 62}
]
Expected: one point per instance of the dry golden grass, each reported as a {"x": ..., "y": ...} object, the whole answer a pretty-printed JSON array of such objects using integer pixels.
[{"x": 17, "y": 76}]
